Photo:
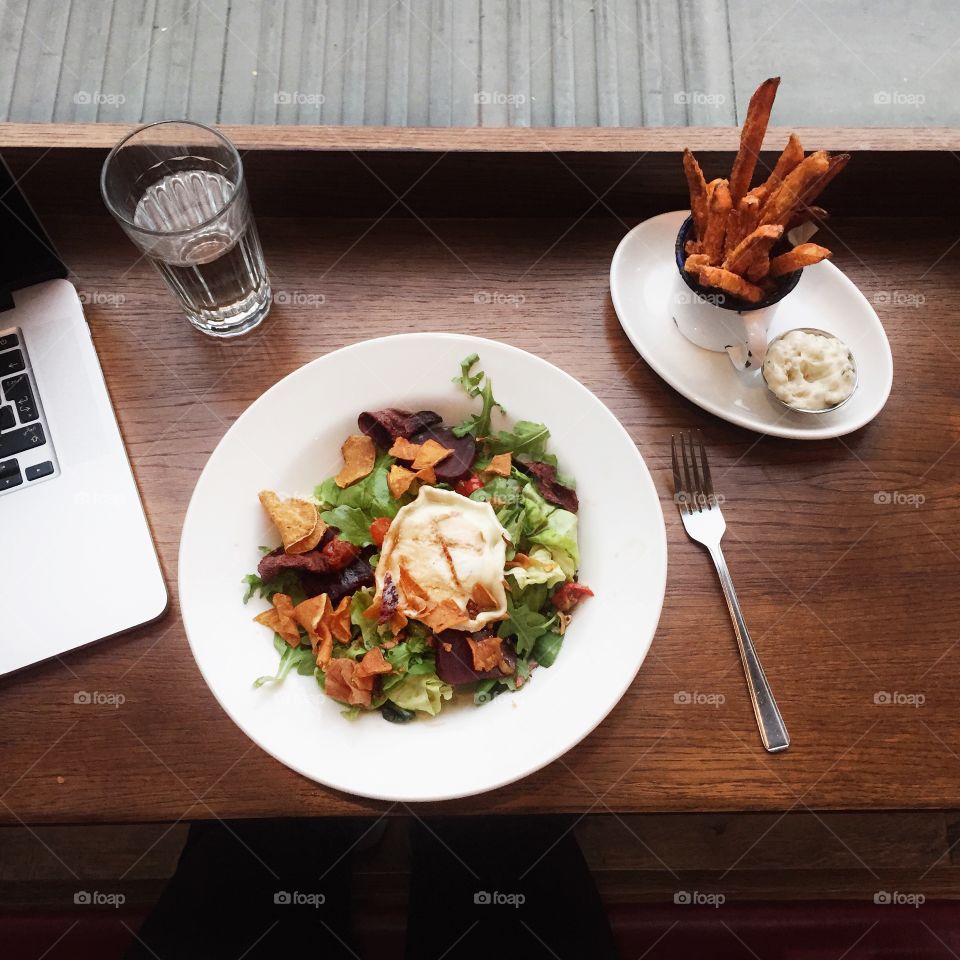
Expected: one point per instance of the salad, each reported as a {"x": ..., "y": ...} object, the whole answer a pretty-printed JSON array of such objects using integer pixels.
[{"x": 439, "y": 558}]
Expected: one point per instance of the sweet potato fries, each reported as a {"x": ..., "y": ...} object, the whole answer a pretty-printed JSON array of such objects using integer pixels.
[{"x": 735, "y": 228}]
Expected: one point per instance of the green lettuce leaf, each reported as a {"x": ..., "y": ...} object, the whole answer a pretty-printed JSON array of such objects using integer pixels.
[
  {"x": 368, "y": 628},
  {"x": 353, "y": 509},
  {"x": 371, "y": 494},
  {"x": 525, "y": 624},
  {"x": 524, "y": 576},
  {"x": 559, "y": 536},
  {"x": 352, "y": 522},
  {"x": 500, "y": 492},
  {"x": 421, "y": 692},
  {"x": 536, "y": 509}
]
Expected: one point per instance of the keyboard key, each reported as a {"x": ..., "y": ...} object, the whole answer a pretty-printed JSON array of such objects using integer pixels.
[
  {"x": 9, "y": 340},
  {"x": 10, "y": 475},
  {"x": 23, "y": 438},
  {"x": 40, "y": 470},
  {"x": 18, "y": 390},
  {"x": 6, "y": 418},
  {"x": 11, "y": 362}
]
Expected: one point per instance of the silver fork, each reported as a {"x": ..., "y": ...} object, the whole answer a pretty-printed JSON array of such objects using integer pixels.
[{"x": 704, "y": 523}]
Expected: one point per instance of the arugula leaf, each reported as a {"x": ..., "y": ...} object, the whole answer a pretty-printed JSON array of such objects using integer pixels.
[
  {"x": 471, "y": 384},
  {"x": 521, "y": 672},
  {"x": 478, "y": 423},
  {"x": 300, "y": 658},
  {"x": 485, "y": 691},
  {"x": 286, "y": 582},
  {"x": 254, "y": 585},
  {"x": 546, "y": 648},
  {"x": 352, "y": 523},
  {"x": 526, "y": 437},
  {"x": 525, "y": 624}
]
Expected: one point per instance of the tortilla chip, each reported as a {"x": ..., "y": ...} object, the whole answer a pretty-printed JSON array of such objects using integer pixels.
[
  {"x": 486, "y": 653},
  {"x": 359, "y": 456},
  {"x": 309, "y": 542},
  {"x": 324, "y": 650},
  {"x": 403, "y": 449},
  {"x": 499, "y": 466},
  {"x": 280, "y": 618},
  {"x": 482, "y": 597},
  {"x": 310, "y": 612},
  {"x": 343, "y": 684},
  {"x": 340, "y": 620},
  {"x": 430, "y": 454},
  {"x": 372, "y": 664},
  {"x": 296, "y": 520},
  {"x": 323, "y": 623},
  {"x": 427, "y": 475},
  {"x": 444, "y": 615},
  {"x": 399, "y": 480}
]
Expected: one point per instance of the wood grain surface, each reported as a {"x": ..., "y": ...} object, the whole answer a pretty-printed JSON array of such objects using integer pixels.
[
  {"x": 515, "y": 140},
  {"x": 849, "y": 597}
]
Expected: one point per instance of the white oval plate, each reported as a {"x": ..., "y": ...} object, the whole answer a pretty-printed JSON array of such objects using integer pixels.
[
  {"x": 642, "y": 274},
  {"x": 289, "y": 440}
]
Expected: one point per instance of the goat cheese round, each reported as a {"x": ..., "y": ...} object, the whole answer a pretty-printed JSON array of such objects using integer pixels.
[{"x": 454, "y": 549}]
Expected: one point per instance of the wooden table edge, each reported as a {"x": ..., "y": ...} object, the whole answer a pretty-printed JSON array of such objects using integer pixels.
[{"x": 102, "y": 136}]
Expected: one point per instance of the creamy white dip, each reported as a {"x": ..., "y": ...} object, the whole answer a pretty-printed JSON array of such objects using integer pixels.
[{"x": 809, "y": 371}]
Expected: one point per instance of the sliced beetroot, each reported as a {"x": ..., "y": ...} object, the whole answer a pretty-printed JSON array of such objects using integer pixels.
[
  {"x": 421, "y": 420},
  {"x": 455, "y": 666},
  {"x": 330, "y": 554},
  {"x": 545, "y": 480},
  {"x": 457, "y": 465},
  {"x": 277, "y": 561},
  {"x": 384, "y": 426},
  {"x": 339, "y": 583}
]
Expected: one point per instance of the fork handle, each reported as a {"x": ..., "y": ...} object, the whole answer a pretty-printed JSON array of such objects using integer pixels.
[{"x": 772, "y": 730}]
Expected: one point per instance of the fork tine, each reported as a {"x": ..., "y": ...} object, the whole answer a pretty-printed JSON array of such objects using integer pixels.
[
  {"x": 679, "y": 492},
  {"x": 689, "y": 487},
  {"x": 705, "y": 464},
  {"x": 697, "y": 482}
]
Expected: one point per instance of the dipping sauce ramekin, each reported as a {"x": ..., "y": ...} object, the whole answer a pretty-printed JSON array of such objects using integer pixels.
[{"x": 808, "y": 375}]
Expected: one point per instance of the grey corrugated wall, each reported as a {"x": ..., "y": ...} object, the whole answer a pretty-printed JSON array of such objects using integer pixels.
[{"x": 479, "y": 62}]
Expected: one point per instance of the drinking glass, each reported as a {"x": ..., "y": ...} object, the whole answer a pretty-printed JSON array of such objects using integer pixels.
[{"x": 177, "y": 189}]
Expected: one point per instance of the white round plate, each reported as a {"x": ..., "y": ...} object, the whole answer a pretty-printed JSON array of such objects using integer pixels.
[
  {"x": 289, "y": 440},
  {"x": 642, "y": 275}
]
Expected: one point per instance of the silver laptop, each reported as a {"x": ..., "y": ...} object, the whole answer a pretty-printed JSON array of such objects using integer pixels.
[{"x": 77, "y": 562}]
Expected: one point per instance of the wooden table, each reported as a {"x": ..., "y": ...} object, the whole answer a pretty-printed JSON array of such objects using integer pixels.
[{"x": 850, "y": 598}]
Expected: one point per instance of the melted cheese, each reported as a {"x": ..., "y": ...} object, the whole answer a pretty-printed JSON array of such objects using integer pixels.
[{"x": 449, "y": 545}]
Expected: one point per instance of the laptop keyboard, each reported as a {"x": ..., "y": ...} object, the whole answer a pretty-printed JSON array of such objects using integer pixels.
[{"x": 26, "y": 454}]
